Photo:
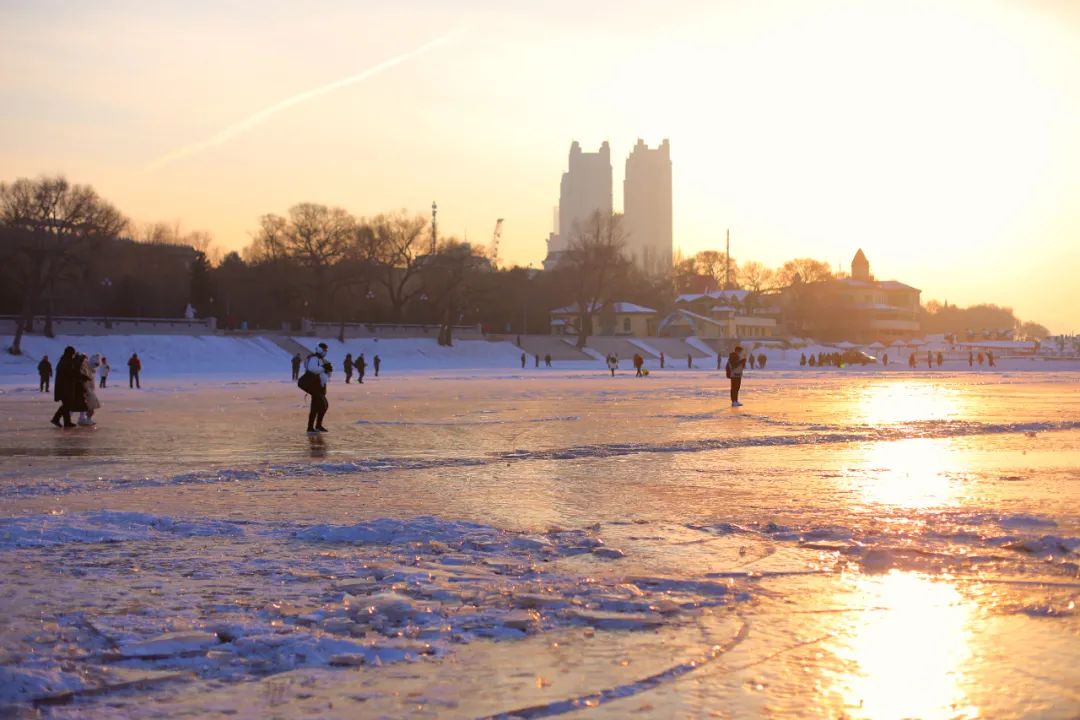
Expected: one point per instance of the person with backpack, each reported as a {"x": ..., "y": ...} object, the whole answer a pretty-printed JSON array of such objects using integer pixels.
[
  {"x": 44, "y": 369},
  {"x": 134, "y": 367},
  {"x": 314, "y": 381},
  {"x": 734, "y": 369},
  {"x": 347, "y": 364}
]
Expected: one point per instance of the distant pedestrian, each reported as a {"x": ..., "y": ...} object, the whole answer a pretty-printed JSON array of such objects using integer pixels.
[
  {"x": 316, "y": 378},
  {"x": 522, "y": 363},
  {"x": 661, "y": 359},
  {"x": 761, "y": 361},
  {"x": 979, "y": 357},
  {"x": 929, "y": 360},
  {"x": 689, "y": 361},
  {"x": 885, "y": 359},
  {"x": 296, "y": 361},
  {"x": 45, "y": 370},
  {"x": 612, "y": 363},
  {"x": 103, "y": 371},
  {"x": 377, "y": 361},
  {"x": 719, "y": 360},
  {"x": 911, "y": 360},
  {"x": 940, "y": 359},
  {"x": 802, "y": 360},
  {"x": 736, "y": 363},
  {"x": 971, "y": 358},
  {"x": 812, "y": 362},
  {"x": 361, "y": 367},
  {"x": 64, "y": 387},
  {"x": 347, "y": 365},
  {"x": 536, "y": 358},
  {"x": 547, "y": 360},
  {"x": 134, "y": 368},
  {"x": 519, "y": 341},
  {"x": 750, "y": 359},
  {"x": 990, "y": 357},
  {"x": 638, "y": 363}
]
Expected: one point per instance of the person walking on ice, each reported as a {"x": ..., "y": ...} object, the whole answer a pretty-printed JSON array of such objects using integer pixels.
[
  {"x": 612, "y": 363},
  {"x": 347, "y": 364},
  {"x": 361, "y": 368},
  {"x": 103, "y": 371},
  {"x": 735, "y": 365},
  {"x": 296, "y": 362},
  {"x": 689, "y": 361},
  {"x": 314, "y": 381},
  {"x": 44, "y": 369},
  {"x": 522, "y": 362},
  {"x": 377, "y": 361},
  {"x": 134, "y": 367}
]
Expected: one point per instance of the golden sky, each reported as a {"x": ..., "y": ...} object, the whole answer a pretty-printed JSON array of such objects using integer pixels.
[{"x": 941, "y": 137}]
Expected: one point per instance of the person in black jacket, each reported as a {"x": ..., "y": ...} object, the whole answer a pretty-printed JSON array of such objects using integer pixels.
[
  {"x": 44, "y": 369},
  {"x": 377, "y": 361},
  {"x": 735, "y": 365},
  {"x": 347, "y": 363},
  {"x": 65, "y": 387},
  {"x": 361, "y": 368}
]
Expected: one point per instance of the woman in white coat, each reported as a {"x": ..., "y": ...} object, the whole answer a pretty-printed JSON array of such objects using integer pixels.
[{"x": 88, "y": 371}]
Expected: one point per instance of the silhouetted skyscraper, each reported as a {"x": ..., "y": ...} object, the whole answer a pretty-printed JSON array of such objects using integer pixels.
[
  {"x": 585, "y": 189},
  {"x": 647, "y": 207}
]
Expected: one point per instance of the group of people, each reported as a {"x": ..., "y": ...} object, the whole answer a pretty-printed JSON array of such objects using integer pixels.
[
  {"x": 75, "y": 381},
  {"x": 536, "y": 358},
  {"x": 833, "y": 359},
  {"x": 349, "y": 365}
]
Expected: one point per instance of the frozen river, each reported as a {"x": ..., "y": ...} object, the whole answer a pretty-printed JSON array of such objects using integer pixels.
[{"x": 551, "y": 544}]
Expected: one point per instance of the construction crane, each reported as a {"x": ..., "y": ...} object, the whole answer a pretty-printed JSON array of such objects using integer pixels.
[{"x": 493, "y": 249}]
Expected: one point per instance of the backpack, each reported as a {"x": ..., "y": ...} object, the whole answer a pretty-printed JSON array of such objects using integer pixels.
[{"x": 309, "y": 382}]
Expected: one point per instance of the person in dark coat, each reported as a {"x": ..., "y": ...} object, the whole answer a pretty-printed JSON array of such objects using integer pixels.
[
  {"x": 377, "y": 361},
  {"x": 990, "y": 357},
  {"x": 134, "y": 367},
  {"x": 316, "y": 378},
  {"x": 361, "y": 367},
  {"x": 348, "y": 365},
  {"x": 522, "y": 361},
  {"x": 64, "y": 386},
  {"x": 45, "y": 371},
  {"x": 689, "y": 361},
  {"x": 296, "y": 366},
  {"x": 547, "y": 360},
  {"x": 735, "y": 365},
  {"x": 761, "y": 360},
  {"x": 536, "y": 359}
]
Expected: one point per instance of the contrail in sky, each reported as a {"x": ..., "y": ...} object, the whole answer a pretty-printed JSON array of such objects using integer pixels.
[{"x": 265, "y": 114}]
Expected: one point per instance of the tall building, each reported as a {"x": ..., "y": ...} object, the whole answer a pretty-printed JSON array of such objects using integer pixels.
[
  {"x": 647, "y": 207},
  {"x": 585, "y": 189}
]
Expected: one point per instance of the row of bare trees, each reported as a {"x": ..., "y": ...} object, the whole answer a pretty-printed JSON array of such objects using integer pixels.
[{"x": 714, "y": 267}]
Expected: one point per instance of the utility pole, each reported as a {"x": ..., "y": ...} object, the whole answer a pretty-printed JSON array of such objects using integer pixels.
[
  {"x": 727, "y": 260},
  {"x": 434, "y": 226}
]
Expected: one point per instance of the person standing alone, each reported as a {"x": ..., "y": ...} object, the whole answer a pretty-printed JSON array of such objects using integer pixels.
[
  {"x": 361, "y": 368},
  {"x": 103, "y": 371},
  {"x": 296, "y": 362},
  {"x": 377, "y": 361},
  {"x": 134, "y": 367},
  {"x": 735, "y": 365},
  {"x": 44, "y": 369},
  {"x": 314, "y": 381},
  {"x": 347, "y": 364}
]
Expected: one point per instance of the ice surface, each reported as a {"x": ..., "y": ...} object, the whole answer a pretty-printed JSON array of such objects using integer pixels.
[{"x": 480, "y": 543}]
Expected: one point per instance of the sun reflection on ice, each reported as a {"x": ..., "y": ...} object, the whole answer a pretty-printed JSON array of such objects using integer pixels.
[
  {"x": 910, "y": 473},
  {"x": 907, "y": 402},
  {"x": 906, "y": 656}
]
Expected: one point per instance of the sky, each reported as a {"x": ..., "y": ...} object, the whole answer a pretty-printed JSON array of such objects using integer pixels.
[{"x": 941, "y": 137}]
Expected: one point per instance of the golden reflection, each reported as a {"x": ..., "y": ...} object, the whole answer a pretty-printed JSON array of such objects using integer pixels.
[
  {"x": 906, "y": 656},
  {"x": 906, "y": 402},
  {"x": 909, "y": 473}
]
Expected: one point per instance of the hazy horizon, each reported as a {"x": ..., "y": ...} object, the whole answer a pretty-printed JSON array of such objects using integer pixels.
[{"x": 939, "y": 138}]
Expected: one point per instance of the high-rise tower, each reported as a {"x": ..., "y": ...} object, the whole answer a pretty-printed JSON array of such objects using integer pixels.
[
  {"x": 647, "y": 215},
  {"x": 585, "y": 189}
]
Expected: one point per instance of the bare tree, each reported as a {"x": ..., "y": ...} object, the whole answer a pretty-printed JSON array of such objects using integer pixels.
[
  {"x": 806, "y": 270},
  {"x": 595, "y": 262},
  {"x": 397, "y": 246},
  {"x": 754, "y": 276},
  {"x": 316, "y": 237},
  {"x": 48, "y": 228},
  {"x": 714, "y": 264}
]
